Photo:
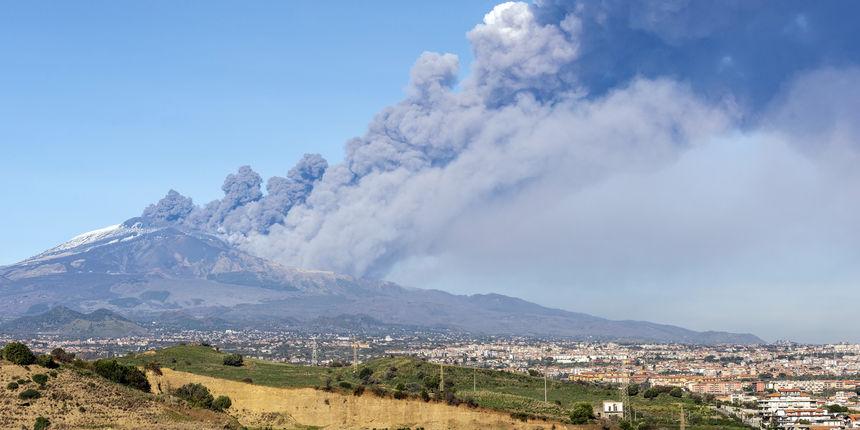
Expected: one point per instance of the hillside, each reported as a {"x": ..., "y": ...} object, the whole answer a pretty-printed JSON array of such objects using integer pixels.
[
  {"x": 407, "y": 378},
  {"x": 76, "y": 399},
  {"x": 67, "y": 323},
  {"x": 146, "y": 270}
]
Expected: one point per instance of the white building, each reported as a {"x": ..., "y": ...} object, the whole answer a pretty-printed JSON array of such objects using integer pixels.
[{"x": 613, "y": 409}]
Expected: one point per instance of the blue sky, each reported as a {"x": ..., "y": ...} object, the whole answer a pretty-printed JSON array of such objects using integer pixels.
[
  {"x": 686, "y": 162},
  {"x": 106, "y": 105}
]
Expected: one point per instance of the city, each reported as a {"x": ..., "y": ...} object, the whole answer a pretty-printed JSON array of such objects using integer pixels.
[{"x": 783, "y": 385}]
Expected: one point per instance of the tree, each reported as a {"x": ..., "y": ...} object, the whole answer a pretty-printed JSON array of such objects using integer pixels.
[
  {"x": 676, "y": 392},
  {"x": 47, "y": 361},
  {"x": 196, "y": 395},
  {"x": 651, "y": 393},
  {"x": 121, "y": 374},
  {"x": 62, "y": 356},
  {"x": 837, "y": 409},
  {"x": 233, "y": 360},
  {"x": 18, "y": 353},
  {"x": 581, "y": 413},
  {"x": 632, "y": 390},
  {"x": 221, "y": 403}
]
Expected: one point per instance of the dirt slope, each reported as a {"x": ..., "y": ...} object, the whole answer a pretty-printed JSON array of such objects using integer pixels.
[
  {"x": 74, "y": 401},
  {"x": 261, "y": 406}
]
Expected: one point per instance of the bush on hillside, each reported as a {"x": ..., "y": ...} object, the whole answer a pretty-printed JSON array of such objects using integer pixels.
[
  {"x": 676, "y": 392},
  {"x": 40, "y": 378},
  {"x": 221, "y": 403},
  {"x": 12, "y": 386},
  {"x": 42, "y": 423},
  {"x": 233, "y": 360},
  {"x": 29, "y": 394},
  {"x": 46, "y": 361},
  {"x": 581, "y": 413},
  {"x": 121, "y": 374},
  {"x": 18, "y": 353},
  {"x": 62, "y": 356},
  {"x": 196, "y": 395}
]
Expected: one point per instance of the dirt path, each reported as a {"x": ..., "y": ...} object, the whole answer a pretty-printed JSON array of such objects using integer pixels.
[{"x": 256, "y": 405}]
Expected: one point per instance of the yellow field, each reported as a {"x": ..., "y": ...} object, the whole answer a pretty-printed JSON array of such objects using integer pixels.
[{"x": 288, "y": 408}]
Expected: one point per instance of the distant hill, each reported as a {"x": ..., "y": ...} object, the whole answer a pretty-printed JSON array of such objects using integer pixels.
[
  {"x": 65, "y": 322},
  {"x": 156, "y": 272}
]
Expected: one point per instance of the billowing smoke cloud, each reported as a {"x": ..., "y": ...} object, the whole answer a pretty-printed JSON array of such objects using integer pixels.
[{"x": 591, "y": 144}]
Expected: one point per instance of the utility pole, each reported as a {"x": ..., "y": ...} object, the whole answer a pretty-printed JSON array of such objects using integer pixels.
[
  {"x": 544, "y": 384},
  {"x": 475, "y": 380},
  {"x": 441, "y": 378},
  {"x": 314, "y": 354},
  {"x": 354, "y": 356}
]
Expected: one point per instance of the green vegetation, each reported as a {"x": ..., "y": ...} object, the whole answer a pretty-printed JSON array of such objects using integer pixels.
[
  {"x": 221, "y": 403},
  {"x": 40, "y": 378},
  {"x": 18, "y": 353},
  {"x": 121, "y": 374},
  {"x": 198, "y": 395},
  {"x": 405, "y": 377},
  {"x": 582, "y": 413},
  {"x": 46, "y": 361},
  {"x": 233, "y": 360},
  {"x": 29, "y": 394},
  {"x": 59, "y": 354},
  {"x": 12, "y": 386},
  {"x": 42, "y": 423}
]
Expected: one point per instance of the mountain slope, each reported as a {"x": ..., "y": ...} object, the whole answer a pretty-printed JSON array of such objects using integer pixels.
[
  {"x": 65, "y": 322},
  {"x": 145, "y": 270}
]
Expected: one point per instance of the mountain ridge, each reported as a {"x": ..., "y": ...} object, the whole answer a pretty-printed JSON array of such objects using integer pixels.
[{"x": 144, "y": 269}]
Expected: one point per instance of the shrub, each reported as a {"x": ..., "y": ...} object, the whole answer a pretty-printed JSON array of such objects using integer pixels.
[
  {"x": 248, "y": 380},
  {"x": 195, "y": 394},
  {"x": 62, "y": 356},
  {"x": 46, "y": 361},
  {"x": 18, "y": 353},
  {"x": 12, "y": 386},
  {"x": 581, "y": 413},
  {"x": 425, "y": 395},
  {"x": 121, "y": 374},
  {"x": 651, "y": 393},
  {"x": 365, "y": 373},
  {"x": 345, "y": 385},
  {"x": 53, "y": 373},
  {"x": 221, "y": 402},
  {"x": 153, "y": 367},
  {"x": 676, "y": 392},
  {"x": 233, "y": 360},
  {"x": 632, "y": 390},
  {"x": 358, "y": 391},
  {"x": 29, "y": 394},
  {"x": 40, "y": 378},
  {"x": 42, "y": 423}
]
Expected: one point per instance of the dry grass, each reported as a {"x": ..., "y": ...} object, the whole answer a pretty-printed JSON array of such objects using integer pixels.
[
  {"x": 77, "y": 400},
  {"x": 291, "y": 408}
]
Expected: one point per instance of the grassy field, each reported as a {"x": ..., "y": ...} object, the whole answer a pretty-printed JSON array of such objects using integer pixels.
[{"x": 493, "y": 389}]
